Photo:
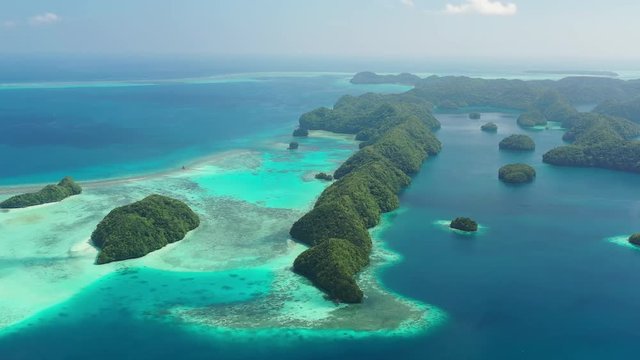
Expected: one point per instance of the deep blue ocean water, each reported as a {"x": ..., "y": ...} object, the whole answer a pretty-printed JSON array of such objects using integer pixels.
[{"x": 540, "y": 282}]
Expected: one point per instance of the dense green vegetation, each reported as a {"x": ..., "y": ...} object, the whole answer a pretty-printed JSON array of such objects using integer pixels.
[
  {"x": 464, "y": 224},
  {"x": 293, "y": 145},
  {"x": 531, "y": 119},
  {"x": 368, "y": 77},
  {"x": 324, "y": 176},
  {"x": 517, "y": 142},
  {"x": 635, "y": 239},
  {"x": 599, "y": 141},
  {"x": 629, "y": 109},
  {"x": 489, "y": 127},
  {"x": 134, "y": 230},
  {"x": 332, "y": 266},
  {"x": 517, "y": 173},
  {"x": 475, "y": 116},
  {"x": 396, "y": 140},
  {"x": 300, "y": 132},
  {"x": 48, "y": 194}
]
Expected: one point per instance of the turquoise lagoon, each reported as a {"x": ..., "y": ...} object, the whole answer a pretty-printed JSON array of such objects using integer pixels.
[{"x": 545, "y": 278}]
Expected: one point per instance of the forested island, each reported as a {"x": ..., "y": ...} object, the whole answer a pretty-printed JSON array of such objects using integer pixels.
[
  {"x": 517, "y": 142},
  {"x": 464, "y": 224},
  {"x": 635, "y": 239},
  {"x": 629, "y": 109},
  {"x": 368, "y": 77},
  {"x": 489, "y": 127},
  {"x": 397, "y": 138},
  {"x": 517, "y": 173},
  {"x": 48, "y": 194},
  {"x": 134, "y": 230}
]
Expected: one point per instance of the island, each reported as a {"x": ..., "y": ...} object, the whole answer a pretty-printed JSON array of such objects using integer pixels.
[
  {"x": 489, "y": 127},
  {"x": 575, "y": 72},
  {"x": 517, "y": 173},
  {"x": 368, "y": 77},
  {"x": 293, "y": 145},
  {"x": 635, "y": 239},
  {"x": 629, "y": 109},
  {"x": 48, "y": 194},
  {"x": 324, "y": 176},
  {"x": 599, "y": 141},
  {"x": 517, "y": 143},
  {"x": 464, "y": 224},
  {"x": 475, "y": 116},
  {"x": 396, "y": 139},
  {"x": 531, "y": 119},
  {"x": 134, "y": 230},
  {"x": 300, "y": 132}
]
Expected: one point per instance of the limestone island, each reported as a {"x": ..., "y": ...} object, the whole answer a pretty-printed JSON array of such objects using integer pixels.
[
  {"x": 635, "y": 239},
  {"x": 300, "y": 132},
  {"x": 517, "y": 173},
  {"x": 489, "y": 127},
  {"x": 517, "y": 143},
  {"x": 396, "y": 139},
  {"x": 368, "y": 77},
  {"x": 293, "y": 145},
  {"x": 531, "y": 119},
  {"x": 475, "y": 116},
  {"x": 464, "y": 224},
  {"x": 48, "y": 194},
  {"x": 134, "y": 230},
  {"x": 324, "y": 176}
]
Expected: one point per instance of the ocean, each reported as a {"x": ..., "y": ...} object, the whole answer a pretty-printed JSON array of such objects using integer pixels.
[{"x": 547, "y": 276}]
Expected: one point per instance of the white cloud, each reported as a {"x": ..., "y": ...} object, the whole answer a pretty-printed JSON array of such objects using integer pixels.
[
  {"x": 482, "y": 7},
  {"x": 44, "y": 19},
  {"x": 408, "y": 3}
]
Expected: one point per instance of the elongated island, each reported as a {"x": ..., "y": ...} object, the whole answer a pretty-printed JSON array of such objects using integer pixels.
[
  {"x": 397, "y": 138},
  {"x": 48, "y": 194}
]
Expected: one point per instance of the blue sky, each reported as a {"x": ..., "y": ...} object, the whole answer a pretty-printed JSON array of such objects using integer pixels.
[{"x": 519, "y": 29}]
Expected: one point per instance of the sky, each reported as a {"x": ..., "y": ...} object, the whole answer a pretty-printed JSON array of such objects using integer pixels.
[{"x": 416, "y": 29}]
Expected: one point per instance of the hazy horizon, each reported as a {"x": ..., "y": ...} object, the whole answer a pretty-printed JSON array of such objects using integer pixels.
[{"x": 586, "y": 33}]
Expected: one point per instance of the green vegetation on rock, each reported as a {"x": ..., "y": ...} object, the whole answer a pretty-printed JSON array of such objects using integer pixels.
[
  {"x": 489, "y": 127},
  {"x": 517, "y": 173},
  {"x": 134, "y": 230},
  {"x": 599, "y": 141},
  {"x": 518, "y": 143},
  {"x": 293, "y": 145},
  {"x": 464, "y": 224},
  {"x": 396, "y": 140},
  {"x": 635, "y": 239},
  {"x": 48, "y": 194},
  {"x": 475, "y": 116},
  {"x": 531, "y": 119},
  {"x": 368, "y": 77}
]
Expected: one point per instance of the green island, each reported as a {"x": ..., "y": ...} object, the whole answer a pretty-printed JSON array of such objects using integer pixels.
[
  {"x": 368, "y": 77},
  {"x": 489, "y": 127},
  {"x": 48, "y": 194},
  {"x": 635, "y": 239},
  {"x": 464, "y": 224},
  {"x": 293, "y": 145},
  {"x": 396, "y": 139},
  {"x": 134, "y": 230},
  {"x": 599, "y": 141},
  {"x": 531, "y": 119},
  {"x": 324, "y": 176},
  {"x": 517, "y": 173},
  {"x": 300, "y": 132},
  {"x": 475, "y": 116},
  {"x": 517, "y": 142}
]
